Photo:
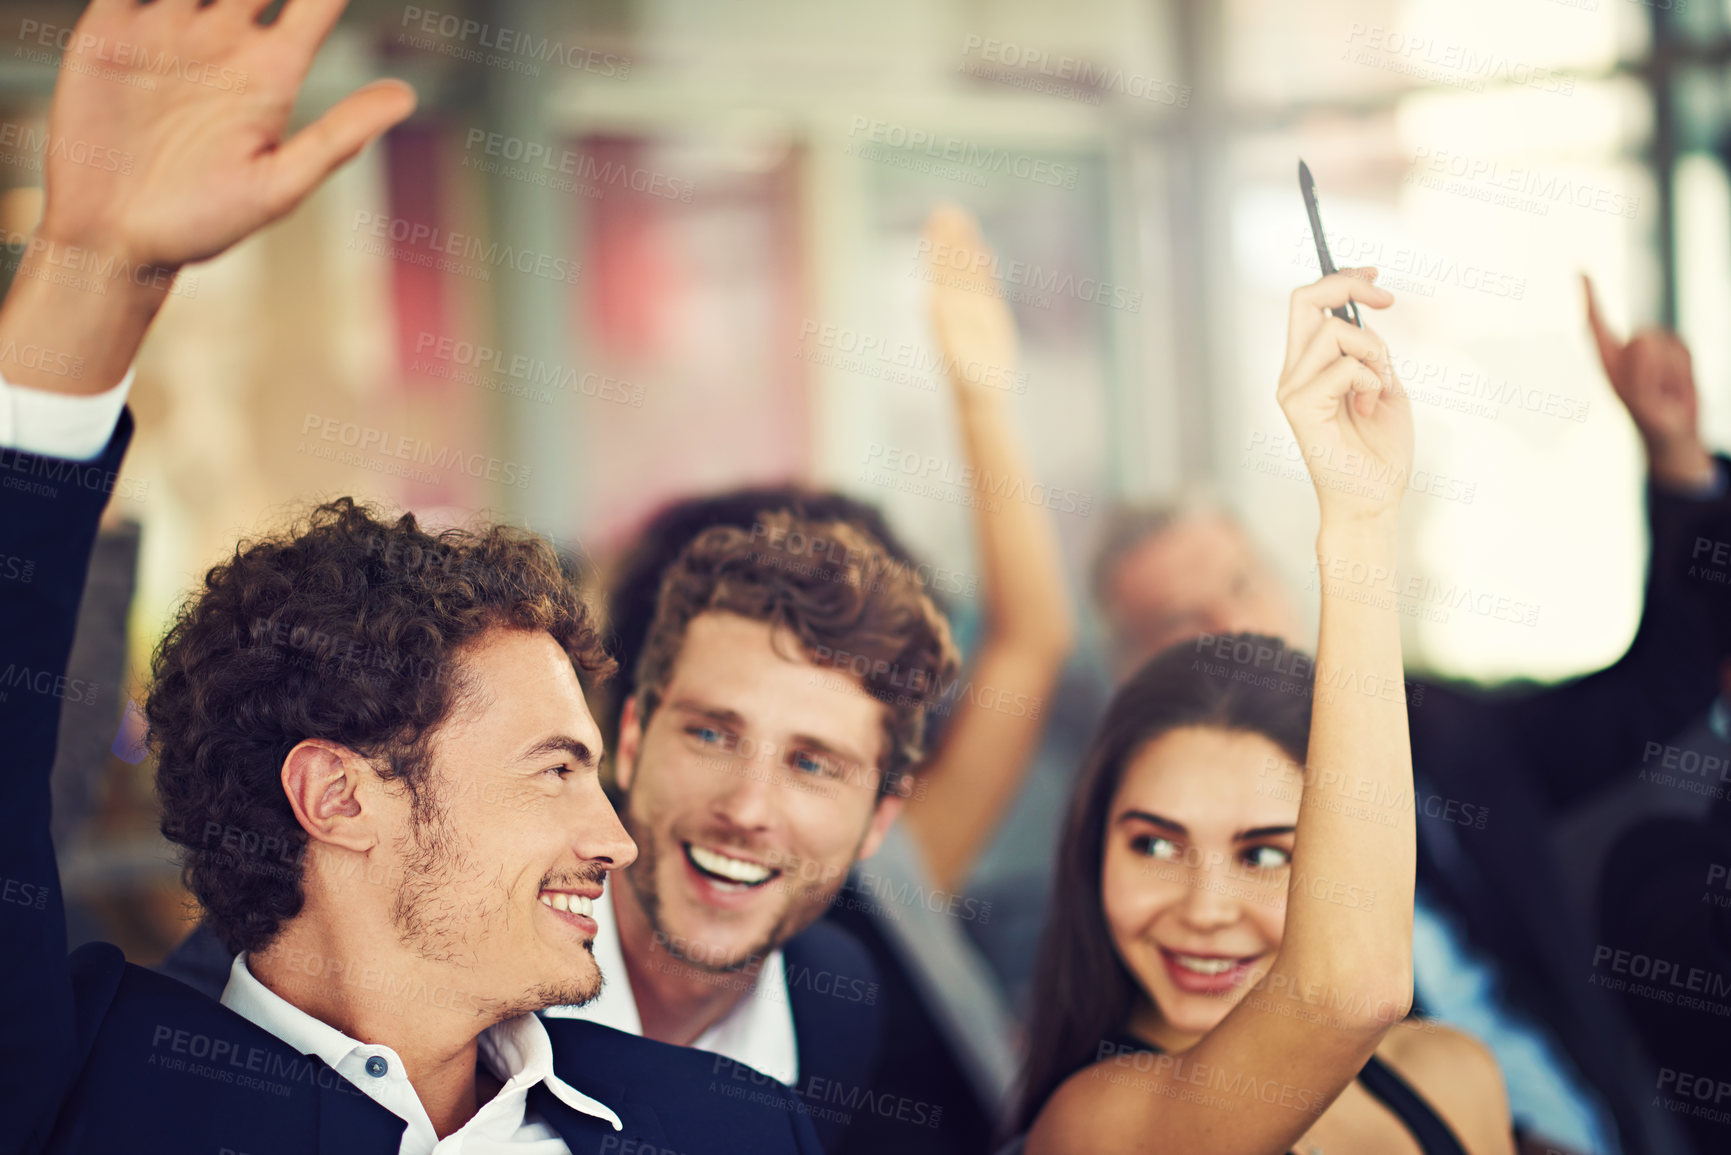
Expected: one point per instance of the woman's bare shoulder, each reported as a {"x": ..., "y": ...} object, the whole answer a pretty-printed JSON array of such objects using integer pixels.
[
  {"x": 1092, "y": 1103},
  {"x": 1458, "y": 1076}
]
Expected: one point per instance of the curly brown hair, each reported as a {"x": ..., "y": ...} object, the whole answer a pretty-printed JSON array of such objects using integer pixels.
[
  {"x": 851, "y": 605},
  {"x": 348, "y": 628}
]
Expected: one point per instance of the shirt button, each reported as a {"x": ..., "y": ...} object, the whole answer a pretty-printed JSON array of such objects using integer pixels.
[{"x": 376, "y": 1066}]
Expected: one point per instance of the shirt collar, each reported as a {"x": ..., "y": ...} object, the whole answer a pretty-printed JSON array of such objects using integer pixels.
[
  {"x": 757, "y": 1032},
  {"x": 517, "y": 1050}
]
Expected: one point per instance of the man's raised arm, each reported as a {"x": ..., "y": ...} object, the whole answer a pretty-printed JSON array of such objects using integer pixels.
[{"x": 197, "y": 167}]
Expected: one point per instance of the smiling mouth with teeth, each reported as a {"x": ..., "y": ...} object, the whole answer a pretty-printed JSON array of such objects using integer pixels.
[
  {"x": 727, "y": 871},
  {"x": 1204, "y": 966},
  {"x": 569, "y": 903}
]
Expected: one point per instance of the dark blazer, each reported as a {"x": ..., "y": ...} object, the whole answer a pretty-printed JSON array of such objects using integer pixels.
[
  {"x": 838, "y": 1024},
  {"x": 1665, "y": 909},
  {"x": 1494, "y": 769},
  {"x": 926, "y": 1104},
  {"x": 832, "y": 985},
  {"x": 101, "y": 1055}
]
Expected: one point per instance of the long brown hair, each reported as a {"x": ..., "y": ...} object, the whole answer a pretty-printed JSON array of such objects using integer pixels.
[{"x": 1083, "y": 993}]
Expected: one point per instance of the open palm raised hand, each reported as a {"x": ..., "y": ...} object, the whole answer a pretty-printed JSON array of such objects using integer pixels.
[{"x": 193, "y": 102}]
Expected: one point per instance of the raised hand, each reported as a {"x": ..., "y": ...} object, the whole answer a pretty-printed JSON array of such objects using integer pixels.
[
  {"x": 190, "y": 101},
  {"x": 1654, "y": 376},
  {"x": 976, "y": 334},
  {"x": 197, "y": 99},
  {"x": 1350, "y": 415}
]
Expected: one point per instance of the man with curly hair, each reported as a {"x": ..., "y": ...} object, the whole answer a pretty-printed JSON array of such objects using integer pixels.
[{"x": 373, "y": 744}]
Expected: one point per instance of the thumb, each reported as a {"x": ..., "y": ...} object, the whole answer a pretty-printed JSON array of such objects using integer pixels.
[{"x": 313, "y": 153}]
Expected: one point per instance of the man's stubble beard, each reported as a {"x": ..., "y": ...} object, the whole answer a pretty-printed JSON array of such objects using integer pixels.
[
  {"x": 641, "y": 877},
  {"x": 435, "y": 930}
]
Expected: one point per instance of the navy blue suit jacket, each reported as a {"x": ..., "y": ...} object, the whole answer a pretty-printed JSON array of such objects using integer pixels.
[
  {"x": 832, "y": 985},
  {"x": 103, "y": 1056}
]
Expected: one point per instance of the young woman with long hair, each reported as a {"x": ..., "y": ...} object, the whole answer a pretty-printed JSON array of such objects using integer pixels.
[{"x": 1228, "y": 969}]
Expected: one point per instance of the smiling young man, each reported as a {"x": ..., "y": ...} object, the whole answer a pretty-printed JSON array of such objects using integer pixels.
[
  {"x": 781, "y": 699},
  {"x": 372, "y": 744}
]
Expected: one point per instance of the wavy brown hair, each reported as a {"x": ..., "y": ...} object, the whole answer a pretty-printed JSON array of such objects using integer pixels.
[
  {"x": 848, "y": 603},
  {"x": 347, "y": 627},
  {"x": 1083, "y": 993}
]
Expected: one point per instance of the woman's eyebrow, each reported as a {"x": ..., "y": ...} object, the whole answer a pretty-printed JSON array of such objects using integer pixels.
[
  {"x": 1152, "y": 819},
  {"x": 1263, "y": 832}
]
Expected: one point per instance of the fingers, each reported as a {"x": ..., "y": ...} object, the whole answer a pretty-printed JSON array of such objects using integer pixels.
[
  {"x": 317, "y": 150},
  {"x": 1609, "y": 347},
  {"x": 1311, "y": 302},
  {"x": 1334, "y": 339},
  {"x": 1327, "y": 389}
]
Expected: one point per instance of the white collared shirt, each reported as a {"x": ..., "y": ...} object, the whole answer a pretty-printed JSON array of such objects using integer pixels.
[
  {"x": 517, "y": 1051},
  {"x": 758, "y": 1031}
]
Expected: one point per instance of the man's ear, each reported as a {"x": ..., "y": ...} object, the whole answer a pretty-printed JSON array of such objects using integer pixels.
[
  {"x": 630, "y": 743},
  {"x": 323, "y": 782},
  {"x": 888, "y": 808}
]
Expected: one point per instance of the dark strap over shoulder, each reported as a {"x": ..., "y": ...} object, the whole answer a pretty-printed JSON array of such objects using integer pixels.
[
  {"x": 1433, "y": 1135},
  {"x": 1416, "y": 1115}
]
